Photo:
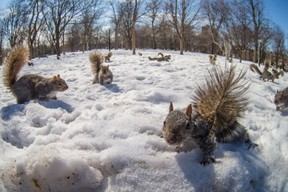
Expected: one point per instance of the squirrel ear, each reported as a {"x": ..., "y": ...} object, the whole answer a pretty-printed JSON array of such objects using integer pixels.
[
  {"x": 170, "y": 107},
  {"x": 189, "y": 111},
  {"x": 56, "y": 77}
]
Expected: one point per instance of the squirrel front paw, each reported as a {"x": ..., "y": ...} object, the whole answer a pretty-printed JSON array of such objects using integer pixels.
[
  {"x": 179, "y": 149},
  {"x": 252, "y": 145},
  {"x": 207, "y": 160}
]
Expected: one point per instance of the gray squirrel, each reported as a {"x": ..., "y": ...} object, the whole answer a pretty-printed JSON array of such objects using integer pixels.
[
  {"x": 281, "y": 99},
  {"x": 218, "y": 105},
  {"x": 266, "y": 74},
  {"x": 29, "y": 86},
  {"x": 102, "y": 73},
  {"x": 108, "y": 56},
  {"x": 161, "y": 58},
  {"x": 212, "y": 59}
]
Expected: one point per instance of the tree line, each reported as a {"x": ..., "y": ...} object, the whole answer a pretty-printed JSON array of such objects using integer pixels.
[{"x": 237, "y": 28}]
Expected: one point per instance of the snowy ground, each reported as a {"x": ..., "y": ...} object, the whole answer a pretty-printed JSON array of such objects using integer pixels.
[{"x": 107, "y": 138}]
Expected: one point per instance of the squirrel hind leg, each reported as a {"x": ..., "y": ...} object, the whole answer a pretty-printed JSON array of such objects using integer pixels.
[
  {"x": 238, "y": 135},
  {"x": 22, "y": 100},
  {"x": 235, "y": 133}
]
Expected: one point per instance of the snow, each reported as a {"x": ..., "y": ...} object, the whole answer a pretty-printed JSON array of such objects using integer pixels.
[{"x": 108, "y": 138}]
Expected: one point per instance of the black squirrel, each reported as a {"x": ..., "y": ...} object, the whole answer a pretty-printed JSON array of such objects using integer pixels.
[{"x": 218, "y": 105}]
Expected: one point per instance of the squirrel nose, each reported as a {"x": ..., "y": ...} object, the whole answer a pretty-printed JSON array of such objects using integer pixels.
[{"x": 172, "y": 139}]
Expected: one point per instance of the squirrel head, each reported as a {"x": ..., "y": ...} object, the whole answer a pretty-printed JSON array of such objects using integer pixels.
[
  {"x": 176, "y": 125},
  {"x": 59, "y": 84}
]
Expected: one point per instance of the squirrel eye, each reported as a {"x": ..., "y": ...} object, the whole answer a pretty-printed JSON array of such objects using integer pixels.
[{"x": 164, "y": 123}]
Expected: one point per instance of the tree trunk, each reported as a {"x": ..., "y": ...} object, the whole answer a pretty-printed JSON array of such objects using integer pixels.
[
  {"x": 133, "y": 41},
  {"x": 255, "y": 56},
  {"x": 57, "y": 48},
  {"x": 31, "y": 49},
  {"x": 116, "y": 43},
  {"x": 181, "y": 40},
  {"x": 240, "y": 55}
]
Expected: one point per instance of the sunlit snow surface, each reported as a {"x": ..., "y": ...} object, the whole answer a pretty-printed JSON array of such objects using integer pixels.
[{"x": 108, "y": 138}]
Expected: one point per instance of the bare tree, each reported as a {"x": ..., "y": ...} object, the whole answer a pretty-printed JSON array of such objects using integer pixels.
[
  {"x": 15, "y": 23},
  {"x": 59, "y": 14},
  {"x": 155, "y": 6},
  {"x": 133, "y": 10},
  {"x": 1, "y": 42},
  {"x": 116, "y": 19},
  {"x": 73, "y": 37},
  {"x": 265, "y": 38},
  {"x": 36, "y": 21},
  {"x": 257, "y": 16},
  {"x": 48, "y": 32},
  {"x": 278, "y": 44},
  {"x": 167, "y": 37},
  {"x": 238, "y": 27},
  {"x": 217, "y": 12},
  {"x": 183, "y": 13},
  {"x": 89, "y": 18}
]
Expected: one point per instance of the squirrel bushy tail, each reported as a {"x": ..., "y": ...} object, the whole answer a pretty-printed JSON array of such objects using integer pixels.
[
  {"x": 254, "y": 68},
  {"x": 96, "y": 60},
  {"x": 13, "y": 63},
  {"x": 220, "y": 100},
  {"x": 267, "y": 64}
]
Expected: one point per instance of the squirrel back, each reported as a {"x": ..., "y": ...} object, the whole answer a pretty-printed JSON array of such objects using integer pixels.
[
  {"x": 29, "y": 86},
  {"x": 218, "y": 105}
]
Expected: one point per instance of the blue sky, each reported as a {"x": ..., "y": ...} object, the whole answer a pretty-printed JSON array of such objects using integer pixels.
[
  {"x": 3, "y": 4},
  {"x": 276, "y": 10}
]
